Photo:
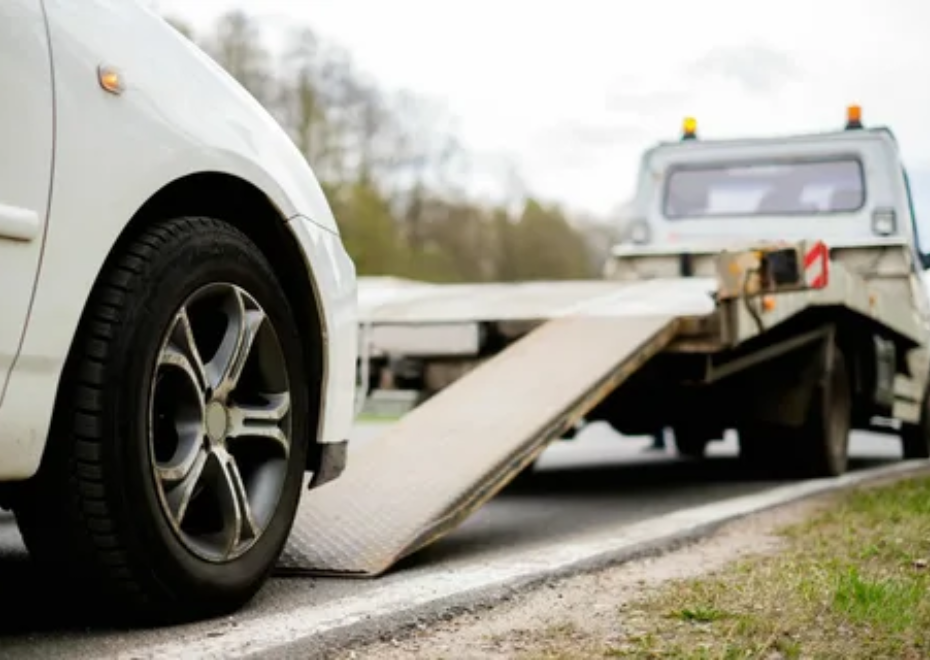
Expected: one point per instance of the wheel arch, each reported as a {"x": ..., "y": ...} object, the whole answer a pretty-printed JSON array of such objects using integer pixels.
[{"x": 234, "y": 200}]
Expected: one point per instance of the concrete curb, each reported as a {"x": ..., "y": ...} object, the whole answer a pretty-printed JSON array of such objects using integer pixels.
[{"x": 311, "y": 632}]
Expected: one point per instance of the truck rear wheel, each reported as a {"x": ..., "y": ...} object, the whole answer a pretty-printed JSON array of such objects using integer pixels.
[
  {"x": 915, "y": 438},
  {"x": 823, "y": 441},
  {"x": 819, "y": 447}
]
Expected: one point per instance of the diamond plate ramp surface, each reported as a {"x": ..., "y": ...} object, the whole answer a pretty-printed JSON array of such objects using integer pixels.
[{"x": 443, "y": 460}]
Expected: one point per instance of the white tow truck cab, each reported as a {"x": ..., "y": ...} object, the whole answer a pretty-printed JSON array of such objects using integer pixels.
[{"x": 843, "y": 187}]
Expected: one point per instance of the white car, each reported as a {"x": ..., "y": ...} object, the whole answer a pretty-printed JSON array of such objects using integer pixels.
[{"x": 178, "y": 314}]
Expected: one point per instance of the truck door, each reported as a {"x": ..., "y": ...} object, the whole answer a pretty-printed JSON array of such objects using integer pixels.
[{"x": 26, "y": 134}]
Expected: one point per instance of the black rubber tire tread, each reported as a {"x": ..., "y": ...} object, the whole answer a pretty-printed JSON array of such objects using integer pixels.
[
  {"x": 830, "y": 413},
  {"x": 71, "y": 520},
  {"x": 915, "y": 438},
  {"x": 772, "y": 451}
]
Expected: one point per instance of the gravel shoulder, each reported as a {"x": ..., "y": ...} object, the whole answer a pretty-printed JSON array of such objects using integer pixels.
[
  {"x": 841, "y": 575},
  {"x": 582, "y": 611}
]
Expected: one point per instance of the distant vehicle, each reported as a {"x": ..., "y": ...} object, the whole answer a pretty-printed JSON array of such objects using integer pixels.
[
  {"x": 178, "y": 327},
  {"x": 791, "y": 342},
  {"x": 848, "y": 188},
  {"x": 844, "y": 347}
]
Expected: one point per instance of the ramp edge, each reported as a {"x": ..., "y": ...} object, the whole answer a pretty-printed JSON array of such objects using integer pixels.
[{"x": 525, "y": 455}]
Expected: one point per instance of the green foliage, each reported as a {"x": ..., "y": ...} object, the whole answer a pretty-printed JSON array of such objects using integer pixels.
[{"x": 385, "y": 168}]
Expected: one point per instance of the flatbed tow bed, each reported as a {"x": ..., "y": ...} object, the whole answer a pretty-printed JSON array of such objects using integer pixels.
[
  {"x": 450, "y": 455},
  {"x": 792, "y": 342}
]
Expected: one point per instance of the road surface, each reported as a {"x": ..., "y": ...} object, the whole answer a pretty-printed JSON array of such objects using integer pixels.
[{"x": 595, "y": 481}]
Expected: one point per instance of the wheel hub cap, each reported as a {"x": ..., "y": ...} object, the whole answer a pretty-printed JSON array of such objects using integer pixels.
[
  {"x": 219, "y": 422},
  {"x": 216, "y": 422}
]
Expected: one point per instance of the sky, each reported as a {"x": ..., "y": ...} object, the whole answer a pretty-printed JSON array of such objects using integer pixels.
[{"x": 570, "y": 92}]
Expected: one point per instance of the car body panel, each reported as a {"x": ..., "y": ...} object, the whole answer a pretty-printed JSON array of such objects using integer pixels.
[
  {"x": 26, "y": 134},
  {"x": 178, "y": 114},
  {"x": 337, "y": 290}
]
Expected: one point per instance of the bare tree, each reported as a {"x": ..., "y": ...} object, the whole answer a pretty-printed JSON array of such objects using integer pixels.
[
  {"x": 236, "y": 45},
  {"x": 392, "y": 167}
]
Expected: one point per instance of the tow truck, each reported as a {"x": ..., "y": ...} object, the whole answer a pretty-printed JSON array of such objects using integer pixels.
[{"x": 773, "y": 286}]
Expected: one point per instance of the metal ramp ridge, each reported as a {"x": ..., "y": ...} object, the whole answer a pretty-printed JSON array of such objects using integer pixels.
[{"x": 431, "y": 470}]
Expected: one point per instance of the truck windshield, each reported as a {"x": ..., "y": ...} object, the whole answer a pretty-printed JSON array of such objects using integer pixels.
[{"x": 767, "y": 188}]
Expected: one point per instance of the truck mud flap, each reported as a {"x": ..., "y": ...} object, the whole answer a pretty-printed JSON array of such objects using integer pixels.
[{"x": 445, "y": 459}]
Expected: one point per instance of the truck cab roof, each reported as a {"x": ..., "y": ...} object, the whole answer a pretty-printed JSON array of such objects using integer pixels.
[{"x": 882, "y": 133}]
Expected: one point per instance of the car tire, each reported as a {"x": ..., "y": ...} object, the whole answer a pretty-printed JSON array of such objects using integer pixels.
[{"x": 110, "y": 509}]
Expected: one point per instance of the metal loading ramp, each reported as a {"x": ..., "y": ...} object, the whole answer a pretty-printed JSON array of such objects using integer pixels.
[{"x": 442, "y": 461}]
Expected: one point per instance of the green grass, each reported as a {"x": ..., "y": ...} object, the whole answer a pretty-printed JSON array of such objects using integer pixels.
[{"x": 852, "y": 582}]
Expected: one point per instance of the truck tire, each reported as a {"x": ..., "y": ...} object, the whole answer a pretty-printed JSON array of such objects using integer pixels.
[
  {"x": 915, "y": 438},
  {"x": 818, "y": 448},
  {"x": 691, "y": 443},
  {"x": 822, "y": 444},
  {"x": 179, "y": 442}
]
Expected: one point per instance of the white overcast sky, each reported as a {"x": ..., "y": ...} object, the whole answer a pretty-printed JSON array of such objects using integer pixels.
[{"x": 573, "y": 90}]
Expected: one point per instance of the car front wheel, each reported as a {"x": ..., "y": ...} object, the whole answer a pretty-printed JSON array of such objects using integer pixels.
[{"x": 175, "y": 462}]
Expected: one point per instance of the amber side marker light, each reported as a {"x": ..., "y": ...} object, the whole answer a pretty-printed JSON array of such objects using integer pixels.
[{"x": 110, "y": 79}]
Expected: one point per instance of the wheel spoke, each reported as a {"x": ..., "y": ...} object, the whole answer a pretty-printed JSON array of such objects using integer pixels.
[
  {"x": 173, "y": 358},
  {"x": 261, "y": 422},
  {"x": 187, "y": 423},
  {"x": 238, "y": 523},
  {"x": 182, "y": 340},
  {"x": 244, "y": 319},
  {"x": 179, "y": 486}
]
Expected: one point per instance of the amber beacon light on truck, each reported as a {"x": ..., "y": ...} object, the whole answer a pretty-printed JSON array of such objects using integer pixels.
[
  {"x": 853, "y": 122},
  {"x": 689, "y": 129},
  {"x": 853, "y": 117}
]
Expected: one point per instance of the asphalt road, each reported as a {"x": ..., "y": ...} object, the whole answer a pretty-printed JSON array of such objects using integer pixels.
[{"x": 597, "y": 480}]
